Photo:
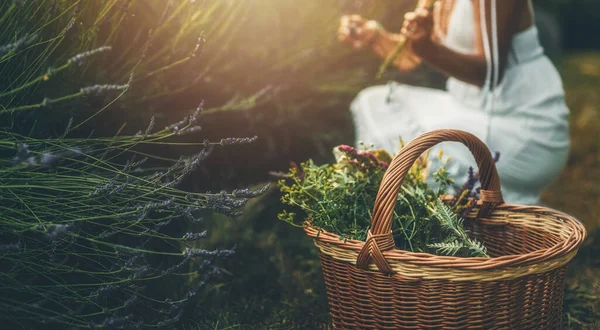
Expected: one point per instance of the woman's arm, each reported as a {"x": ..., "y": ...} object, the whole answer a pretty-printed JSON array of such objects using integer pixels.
[
  {"x": 385, "y": 44},
  {"x": 470, "y": 68}
]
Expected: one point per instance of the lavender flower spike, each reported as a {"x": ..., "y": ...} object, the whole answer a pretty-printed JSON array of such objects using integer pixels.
[
  {"x": 194, "y": 236},
  {"x": 22, "y": 42},
  {"x": 230, "y": 141},
  {"x": 97, "y": 90},
  {"x": 199, "y": 45},
  {"x": 79, "y": 58}
]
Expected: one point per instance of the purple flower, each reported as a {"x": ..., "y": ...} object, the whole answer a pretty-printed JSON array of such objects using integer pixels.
[
  {"x": 471, "y": 181},
  {"x": 496, "y": 156}
]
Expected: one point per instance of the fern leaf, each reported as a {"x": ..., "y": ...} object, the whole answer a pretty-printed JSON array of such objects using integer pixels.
[
  {"x": 448, "y": 219},
  {"x": 477, "y": 248},
  {"x": 447, "y": 248}
]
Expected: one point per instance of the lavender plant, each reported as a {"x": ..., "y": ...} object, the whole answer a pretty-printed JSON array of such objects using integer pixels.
[
  {"x": 225, "y": 49},
  {"x": 84, "y": 238},
  {"x": 96, "y": 230}
]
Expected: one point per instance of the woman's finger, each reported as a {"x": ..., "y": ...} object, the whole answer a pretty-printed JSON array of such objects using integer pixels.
[
  {"x": 423, "y": 18},
  {"x": 347, "y": 20},
  {"x": 409, "y": 31},
  {"x": 437, "y": 11},
  {"x": 356, "y": 19},
  {"x": 357, "y": 44},
  {"x": 410, "y": 25},
  {"x": 422, "y": 12},
  {"x": 413, "y": 31},
  {"x": 438, "y": 30},
  {"x": 410, "y": 35},
  {"x": 418, "y": 24},
  {"x": 344, "y": 20},
  {"x": 343, "y": 34},
  {"x": 409, "y": 19}
]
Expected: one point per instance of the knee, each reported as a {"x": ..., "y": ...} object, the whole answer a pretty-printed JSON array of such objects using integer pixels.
[
  {"x": 371, "y": 98},
  {"x": 368, "y": 94}
]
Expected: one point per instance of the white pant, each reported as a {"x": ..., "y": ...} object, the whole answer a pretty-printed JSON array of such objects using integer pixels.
[{"x": 533, "y": 149}]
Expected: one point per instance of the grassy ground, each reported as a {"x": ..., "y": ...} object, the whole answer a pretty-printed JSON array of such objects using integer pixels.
[
  {"x": 274, "y": 281},
  {"x": 577, "y": 191}
]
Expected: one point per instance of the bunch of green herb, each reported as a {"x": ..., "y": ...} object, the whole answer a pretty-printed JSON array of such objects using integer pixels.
[{"x": 339, "y": 198}]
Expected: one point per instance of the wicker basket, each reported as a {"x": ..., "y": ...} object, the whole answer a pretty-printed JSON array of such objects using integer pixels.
[{"x": 372, "y": 285}]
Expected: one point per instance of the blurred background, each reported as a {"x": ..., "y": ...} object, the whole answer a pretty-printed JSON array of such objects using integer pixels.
[{"x": 271, "y": 69}]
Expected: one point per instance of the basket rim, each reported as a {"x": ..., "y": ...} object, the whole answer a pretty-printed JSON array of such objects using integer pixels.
[{"x": 563, "y": 248}]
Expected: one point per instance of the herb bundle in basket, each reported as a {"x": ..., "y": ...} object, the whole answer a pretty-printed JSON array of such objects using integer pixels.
[
  {"x": 409, "y": 262},
  {"x": 339, "y": 197}
]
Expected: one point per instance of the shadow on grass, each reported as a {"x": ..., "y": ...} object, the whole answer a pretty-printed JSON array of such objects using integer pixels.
[{"x": 273, "y": 282}]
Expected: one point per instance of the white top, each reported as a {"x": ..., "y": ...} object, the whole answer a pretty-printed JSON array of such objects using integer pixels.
[{"x": 523, "y": 83}]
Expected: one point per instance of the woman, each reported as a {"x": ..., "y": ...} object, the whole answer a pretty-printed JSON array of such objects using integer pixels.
[{"x": 501, "y": 87}]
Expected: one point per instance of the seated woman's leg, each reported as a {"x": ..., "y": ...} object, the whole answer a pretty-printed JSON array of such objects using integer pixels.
[
  {"x": 385, "y": 114},
  {"x": 542, "y": 153},
  {"x": 529, "y": 157}
]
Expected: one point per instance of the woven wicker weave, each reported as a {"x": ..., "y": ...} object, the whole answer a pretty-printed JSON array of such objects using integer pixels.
[{"x": 372, "y": 285}]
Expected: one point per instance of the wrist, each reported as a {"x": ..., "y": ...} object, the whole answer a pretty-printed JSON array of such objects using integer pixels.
[
  {"x": 423, "y": 47},
  {"x": 378, "y": 33}
]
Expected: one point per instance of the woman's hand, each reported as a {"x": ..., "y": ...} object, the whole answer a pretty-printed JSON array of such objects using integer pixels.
[
  {"x": 357, "y": 32},
  {"x": 418, "y": 28}
]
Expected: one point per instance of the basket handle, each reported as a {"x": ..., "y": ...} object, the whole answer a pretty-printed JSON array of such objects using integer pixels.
[{"x": 380, "y": 237}]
